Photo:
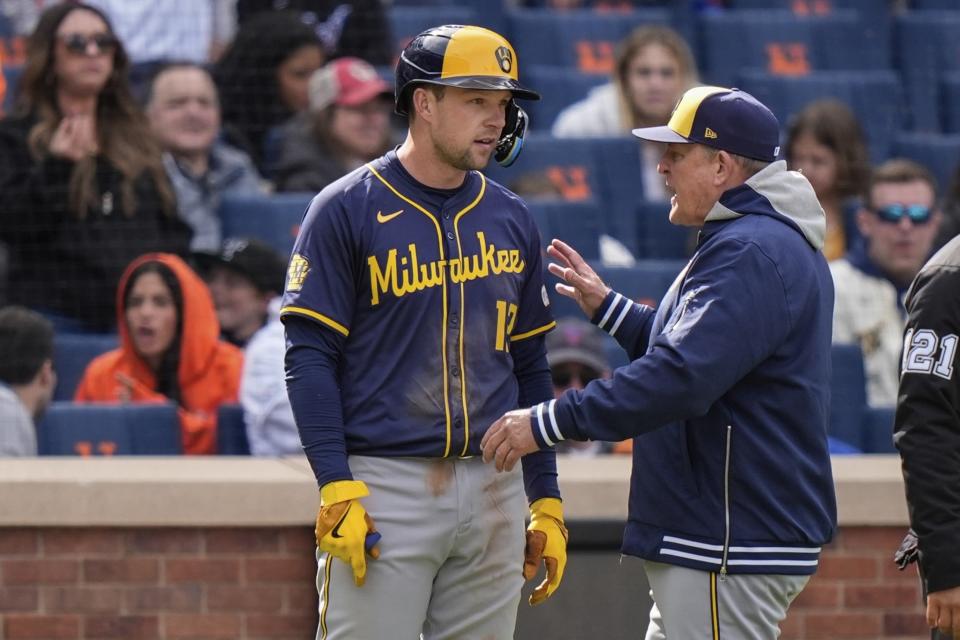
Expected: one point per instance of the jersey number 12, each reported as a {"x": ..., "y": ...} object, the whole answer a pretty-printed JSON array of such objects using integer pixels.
[{"x": 506, "y": 318}]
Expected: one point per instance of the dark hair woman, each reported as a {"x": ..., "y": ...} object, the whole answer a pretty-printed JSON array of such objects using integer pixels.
[
  {"x": 263, "y": 76},
  {"x": 82, "y": 185}
]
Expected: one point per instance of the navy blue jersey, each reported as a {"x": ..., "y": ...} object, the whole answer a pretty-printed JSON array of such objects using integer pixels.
[{"x": 430, "y": 289}]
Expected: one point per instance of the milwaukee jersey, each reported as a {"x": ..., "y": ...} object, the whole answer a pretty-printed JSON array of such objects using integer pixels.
[{"x": 430, "y": 289}]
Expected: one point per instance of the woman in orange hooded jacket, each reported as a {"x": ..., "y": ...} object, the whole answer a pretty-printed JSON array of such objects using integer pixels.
[{"x": 169, "y": 350}]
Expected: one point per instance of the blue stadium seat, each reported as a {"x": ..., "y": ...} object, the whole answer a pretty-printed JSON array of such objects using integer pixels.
[
  {"x": 950, "y": 103},
  {"x": 938, "y": 152},
  {"x": 926, "y": 46},
  {"x": 11, "y": 75},
  {"x": 878, "y": 430},
  {"x": 848, "y": 394},
  {"x": 274, "y": 219},
  {"x": 933, "y": 5},
  {"x": 231, "y": 431},
  {"x": 657, "y": 236},
  {"x": 577, "y": 223},
  {"x": 568, "y": 165},
  {"x": 71, "y": 355},
  {"x": 98, "y": 430},
  {"x": 559, "y": 87},
  {"x": 579, "y": 39},
  {"x": 780, "y": 43},
  {"x": 619, "y": 163},
  {"x": 874, "y": 96},
  {"x": 408, "y": 21}
]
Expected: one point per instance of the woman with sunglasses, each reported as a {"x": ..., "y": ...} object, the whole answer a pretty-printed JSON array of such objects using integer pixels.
[
  {"x": 82, "y": 185},
  {"x": 898, "y": 222}
]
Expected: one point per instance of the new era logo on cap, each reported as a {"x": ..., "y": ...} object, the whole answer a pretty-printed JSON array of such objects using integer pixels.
[{"x": 727, "y": 119}]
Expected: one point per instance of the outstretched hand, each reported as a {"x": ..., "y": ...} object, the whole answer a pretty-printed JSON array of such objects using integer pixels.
[{"x": 580, "y": 281}]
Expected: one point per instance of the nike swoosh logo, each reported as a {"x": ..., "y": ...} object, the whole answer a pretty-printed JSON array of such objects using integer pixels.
[
  {"x": 387, "y": 218},
  {"x": 336, "y": 529}
]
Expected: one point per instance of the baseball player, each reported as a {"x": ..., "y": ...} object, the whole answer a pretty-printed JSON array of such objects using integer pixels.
[{"x": 415, "y": 315}]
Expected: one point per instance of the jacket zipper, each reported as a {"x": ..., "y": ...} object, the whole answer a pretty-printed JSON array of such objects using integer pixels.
[{"x": 726, "y": 504}]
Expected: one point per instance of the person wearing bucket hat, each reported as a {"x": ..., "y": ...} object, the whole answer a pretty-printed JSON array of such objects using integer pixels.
[
  {"x": 728, "y": 387},
  {"x": 347, "y": 124},
  {"x": 243, "y": 278},
  {"x": 415, "y": 313}
]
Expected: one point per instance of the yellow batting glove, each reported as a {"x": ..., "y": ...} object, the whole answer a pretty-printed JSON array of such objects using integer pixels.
[
  {"x": 546, "y": 539},
  {"x": 344, "y": 528}
]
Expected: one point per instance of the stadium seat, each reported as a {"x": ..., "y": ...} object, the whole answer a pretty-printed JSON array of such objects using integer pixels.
[
  {"x": 877, "y": 434},
  {"x": 565, "y": 169},
  {"x": 231, "y": 431},
  {"x": 619, "y": 164},
  {"x": 938, "y": 152},
  {"x": 274, "y": 219},
  {"x": 408, "y": 21},
  {"x": 950, "y": 86},
  {"x": 657, "y": 236},
  {"x": 580, "y": 39},
  {"x": 875, "y": 13},
  {"x": 874, "y": 96},
  {"x": 848, "y": 394},
  {"x": 933, "y": 5},
  {"x": 102, "y": 430},
  {"x": 577, "y": 223},
  {"x": 780, "y": 43},
  {"x": 71, "y": 355},
  {"x": 926, "y": 46},
  {"x": 559, "y": 87},
  {"x": 603, "y": 170},
  {"x": 11, "y": 75}
]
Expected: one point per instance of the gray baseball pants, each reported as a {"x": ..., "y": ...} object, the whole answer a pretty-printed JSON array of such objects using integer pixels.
[
  {"x": 451, "y": 556},
  {"x": 689, "y": 604}
]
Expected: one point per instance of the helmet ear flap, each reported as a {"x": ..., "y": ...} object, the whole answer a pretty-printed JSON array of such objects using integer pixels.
[{"x": 511, "y": 138}]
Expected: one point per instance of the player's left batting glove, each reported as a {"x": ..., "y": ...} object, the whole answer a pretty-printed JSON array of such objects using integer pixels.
[
  {"x": 547, "y": 540},
  {"x": 344, "y": 528}
]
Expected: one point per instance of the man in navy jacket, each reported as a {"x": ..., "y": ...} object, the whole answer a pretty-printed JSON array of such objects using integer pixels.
[{"x": 727, "y": 394}]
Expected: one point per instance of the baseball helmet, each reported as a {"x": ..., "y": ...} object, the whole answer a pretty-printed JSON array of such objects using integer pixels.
[{"x": 470, "y": 58}]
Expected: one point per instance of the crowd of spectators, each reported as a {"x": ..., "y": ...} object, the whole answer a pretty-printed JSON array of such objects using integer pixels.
[{"x": 134, "y": 120}]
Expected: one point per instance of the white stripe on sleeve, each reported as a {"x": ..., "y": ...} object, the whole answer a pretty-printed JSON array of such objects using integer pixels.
[
  {"x": 543, "y": 429},
  {"x": 623, "y": 314},
  {"x": 606, "y": 316},
  {"x": 553, "y": 420}
]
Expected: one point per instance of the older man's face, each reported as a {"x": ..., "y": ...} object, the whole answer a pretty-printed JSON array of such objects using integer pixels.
[{"x": 689, "y": 171}]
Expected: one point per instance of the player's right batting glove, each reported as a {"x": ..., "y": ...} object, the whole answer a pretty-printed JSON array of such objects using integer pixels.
[
  {"x": 546, "y": 540},
  {"x": 344, "y": 528}
]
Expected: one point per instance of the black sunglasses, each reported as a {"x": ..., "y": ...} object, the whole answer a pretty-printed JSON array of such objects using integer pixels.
[
  {"x": 79, "y": 44},
  {"x": 893, "y": 213},
  {"x": 563, "y": 377}
]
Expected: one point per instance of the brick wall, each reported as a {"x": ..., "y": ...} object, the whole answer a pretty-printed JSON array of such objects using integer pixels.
[
  {"x": 859, "y": 593},
  {"x": 241, "y": 584},
  {"x": 147, "y": 584}
]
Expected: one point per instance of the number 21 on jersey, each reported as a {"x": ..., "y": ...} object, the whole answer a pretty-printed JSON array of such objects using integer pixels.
[{"x": 926, "y": 352}]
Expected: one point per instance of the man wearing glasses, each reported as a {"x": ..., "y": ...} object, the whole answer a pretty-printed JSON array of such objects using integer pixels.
[
  {"x": 899, "y": 222},
  {"x": 577, "y": 357}
]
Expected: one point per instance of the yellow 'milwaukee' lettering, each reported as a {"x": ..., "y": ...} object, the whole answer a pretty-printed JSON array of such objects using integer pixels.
[{"x": 409, "y": 275}]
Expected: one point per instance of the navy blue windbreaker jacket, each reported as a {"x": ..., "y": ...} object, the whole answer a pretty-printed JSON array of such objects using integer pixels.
[{"x": 727, "y": 394}]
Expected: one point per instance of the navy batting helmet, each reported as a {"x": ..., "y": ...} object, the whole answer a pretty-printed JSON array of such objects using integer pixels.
[{"x": 458, "y": 56}]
